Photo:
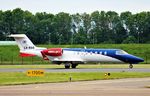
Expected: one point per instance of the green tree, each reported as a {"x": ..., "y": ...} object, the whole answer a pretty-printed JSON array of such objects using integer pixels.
[
  {"x": 6, "y": 24},
  {"x": 2, "y": 33},
  {"x": 130, "y": 40},
  {"x": 76, "y": 23},
  {"x": 44, "y": 27},
  {"x": 62, "y": 28}
]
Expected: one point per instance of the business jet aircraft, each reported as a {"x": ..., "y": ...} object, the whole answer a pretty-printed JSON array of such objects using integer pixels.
[{"x": 73, "y": 56}]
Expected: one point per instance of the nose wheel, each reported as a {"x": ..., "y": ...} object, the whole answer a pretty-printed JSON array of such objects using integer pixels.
[{"x": 130, "y": 66}]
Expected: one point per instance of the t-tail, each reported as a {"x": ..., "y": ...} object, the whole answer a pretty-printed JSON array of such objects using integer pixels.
[{"x": 27, "y": 48}]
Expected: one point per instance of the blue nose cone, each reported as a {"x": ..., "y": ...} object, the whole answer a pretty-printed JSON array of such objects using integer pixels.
[
  {"x": 135, "y": 59},
  {"x": 139, "y": 59}
]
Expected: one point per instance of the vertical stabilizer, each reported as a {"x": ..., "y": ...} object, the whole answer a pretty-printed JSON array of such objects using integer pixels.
[{"x": 24, "y": 43}]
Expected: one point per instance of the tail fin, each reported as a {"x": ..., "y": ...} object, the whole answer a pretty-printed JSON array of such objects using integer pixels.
[{"x": 24, "y": 43}]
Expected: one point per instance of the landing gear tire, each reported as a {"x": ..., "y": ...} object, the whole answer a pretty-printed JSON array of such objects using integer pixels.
[
  {"x": 73, "y": 66},
  {"x": 130, "y": 66},
  {"x": 67, "y": 66}
]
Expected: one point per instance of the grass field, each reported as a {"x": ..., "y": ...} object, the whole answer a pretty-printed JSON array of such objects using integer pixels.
[
  {"x": 10, "y": 54},
  {"x": 14, "y": 78},
  {"x": 79, "y": 66}
]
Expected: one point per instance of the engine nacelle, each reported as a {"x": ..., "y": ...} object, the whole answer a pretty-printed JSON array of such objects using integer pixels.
[{"x": 53, "y": 52}]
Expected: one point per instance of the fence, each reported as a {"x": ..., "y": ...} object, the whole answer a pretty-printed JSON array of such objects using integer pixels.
[{"x": 22, "y": 61}]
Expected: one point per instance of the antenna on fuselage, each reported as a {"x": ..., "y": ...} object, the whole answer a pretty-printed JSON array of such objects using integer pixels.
[{"x": 84, "y": 47}]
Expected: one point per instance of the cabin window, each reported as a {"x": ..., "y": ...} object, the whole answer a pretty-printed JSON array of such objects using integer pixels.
[
  {"x": 121, "y": 52},
  {"x": 105, "y": 53},
  {"x": 101, "y": 53}
]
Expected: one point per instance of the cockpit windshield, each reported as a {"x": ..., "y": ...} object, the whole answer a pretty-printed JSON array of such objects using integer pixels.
[{"x": 121, "y": 52}]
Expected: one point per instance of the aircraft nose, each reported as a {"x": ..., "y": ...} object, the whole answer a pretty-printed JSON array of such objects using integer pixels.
[
  {"x": 139, "y": 59},
  {"x": 136, "y": 59}
]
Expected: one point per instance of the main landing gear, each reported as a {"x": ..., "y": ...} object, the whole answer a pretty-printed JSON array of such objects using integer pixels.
[
  {"x": 73, "y": 66},
  {"x": 130, "y": 66},
  {"x": 67, "y": 66}
]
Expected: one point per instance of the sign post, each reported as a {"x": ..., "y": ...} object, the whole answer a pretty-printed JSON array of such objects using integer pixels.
[{"x": 35, "y": 73}]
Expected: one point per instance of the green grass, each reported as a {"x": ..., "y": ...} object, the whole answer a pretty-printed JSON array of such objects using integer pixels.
[
  {"x": 14, "y": 78},
  {"x": 10, "y": 54},
  {"x": 79, "y": 66}
]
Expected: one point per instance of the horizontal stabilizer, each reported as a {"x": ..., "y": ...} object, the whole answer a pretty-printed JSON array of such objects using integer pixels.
[{"x": 26, "y": 55}]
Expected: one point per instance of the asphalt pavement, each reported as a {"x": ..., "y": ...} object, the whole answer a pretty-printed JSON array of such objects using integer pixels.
[
  {"x": 117, "y": 87},
  {"x": 77, "y": 70}
]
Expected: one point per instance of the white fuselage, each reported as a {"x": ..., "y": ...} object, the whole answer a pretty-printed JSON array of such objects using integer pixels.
[
  {"x": 75, "y": 56},
  {"x": 83, "y": 57}
]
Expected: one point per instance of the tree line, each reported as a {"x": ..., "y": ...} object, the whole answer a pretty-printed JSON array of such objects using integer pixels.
[{"x": 63, "y": 28}]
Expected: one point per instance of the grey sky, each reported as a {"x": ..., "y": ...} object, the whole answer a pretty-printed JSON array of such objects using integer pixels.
[{"x": 76, "y": 6}]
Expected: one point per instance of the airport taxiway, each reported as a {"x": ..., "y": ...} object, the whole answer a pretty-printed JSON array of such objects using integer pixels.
[
  {"x": 117, "y": 87},
  {"x": 77, "y": 70}
]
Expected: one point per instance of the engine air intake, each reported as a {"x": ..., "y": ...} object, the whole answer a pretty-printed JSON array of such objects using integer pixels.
[{"x": 53, "y": 52}]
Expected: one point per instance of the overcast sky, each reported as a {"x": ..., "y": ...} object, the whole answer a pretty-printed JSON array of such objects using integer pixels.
[{"x": 76, "y": 6}]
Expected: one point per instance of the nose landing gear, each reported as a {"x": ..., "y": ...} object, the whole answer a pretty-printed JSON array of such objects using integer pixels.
[{"x": 130, "y": 66}]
